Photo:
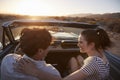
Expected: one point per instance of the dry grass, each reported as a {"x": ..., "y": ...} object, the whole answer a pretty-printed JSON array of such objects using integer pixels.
[{"x": 115, "y": 38}]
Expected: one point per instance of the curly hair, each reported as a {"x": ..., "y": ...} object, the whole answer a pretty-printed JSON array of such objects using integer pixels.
[{"x": 33, "y": 39}]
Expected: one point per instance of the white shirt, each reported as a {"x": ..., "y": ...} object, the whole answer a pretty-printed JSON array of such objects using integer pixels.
[{"x": 8, "y": 73}]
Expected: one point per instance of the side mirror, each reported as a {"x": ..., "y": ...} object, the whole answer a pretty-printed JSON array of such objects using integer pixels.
[{"x": 1, "y": 46}]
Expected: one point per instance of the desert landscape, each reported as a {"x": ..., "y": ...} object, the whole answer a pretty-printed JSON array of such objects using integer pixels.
[
  {"x": 115, "y": 38},
  {"x": 111, "y": 25}
]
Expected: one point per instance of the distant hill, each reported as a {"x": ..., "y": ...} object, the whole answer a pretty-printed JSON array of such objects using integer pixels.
[
  {"x": 106, "y": 15},
  {"x": 80, "y": 15}
]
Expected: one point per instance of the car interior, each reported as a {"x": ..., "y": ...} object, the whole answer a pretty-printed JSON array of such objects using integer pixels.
[{"x": 63, "y": 47}]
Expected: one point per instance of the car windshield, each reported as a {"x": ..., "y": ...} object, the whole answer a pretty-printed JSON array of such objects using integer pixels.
[{"x": 58, "y": 32}]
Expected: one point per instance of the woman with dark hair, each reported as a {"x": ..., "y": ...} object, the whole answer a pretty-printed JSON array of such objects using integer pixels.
[{"x": 95, "y": 66}]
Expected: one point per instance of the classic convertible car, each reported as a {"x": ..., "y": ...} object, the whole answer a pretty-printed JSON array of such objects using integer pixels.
[{"x": 63, "y": 46}]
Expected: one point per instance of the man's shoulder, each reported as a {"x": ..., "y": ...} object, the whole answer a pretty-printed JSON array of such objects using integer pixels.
[
  {"x": 50, "y": 68},
  {"x": 10, "y": 57}
]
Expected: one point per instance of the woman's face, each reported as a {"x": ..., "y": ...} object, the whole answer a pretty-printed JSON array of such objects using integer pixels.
[{"x": 82, "y": 43}]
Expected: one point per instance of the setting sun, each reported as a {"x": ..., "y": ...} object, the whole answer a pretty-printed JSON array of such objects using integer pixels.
[
  {"x": 58, "y": 7},
  {"x": 33, "y": 7}
]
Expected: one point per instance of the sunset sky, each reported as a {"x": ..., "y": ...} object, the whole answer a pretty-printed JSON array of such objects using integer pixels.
[{"x": 58, "y": 7}]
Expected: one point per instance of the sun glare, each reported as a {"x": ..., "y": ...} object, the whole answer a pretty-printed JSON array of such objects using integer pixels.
[{"x": 33, "y": 8}]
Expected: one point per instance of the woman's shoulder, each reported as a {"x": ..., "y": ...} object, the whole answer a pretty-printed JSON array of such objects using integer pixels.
[{"x": 91, "y": 58}]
